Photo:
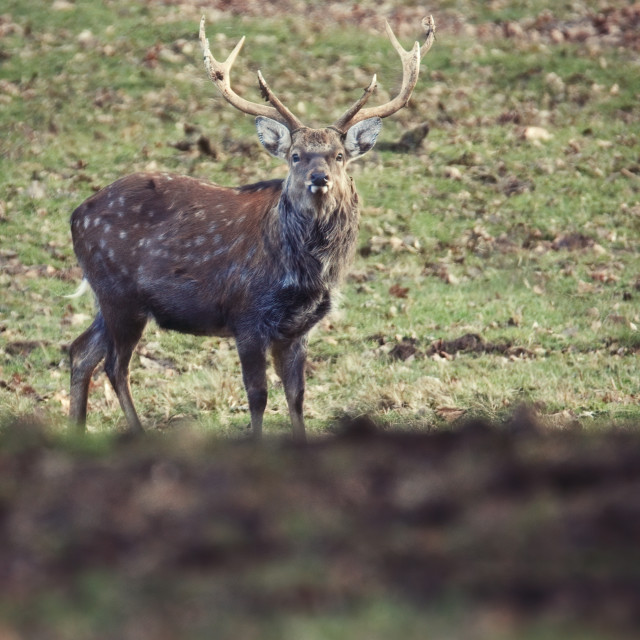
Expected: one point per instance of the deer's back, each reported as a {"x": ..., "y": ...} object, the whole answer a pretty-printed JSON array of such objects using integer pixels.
[{"x": 175, "y": 244}]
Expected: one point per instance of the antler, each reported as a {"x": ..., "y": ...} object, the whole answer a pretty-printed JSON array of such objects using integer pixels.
[
  {"x": 219, "y": 73},
  {"x": 410, "y": 68}
]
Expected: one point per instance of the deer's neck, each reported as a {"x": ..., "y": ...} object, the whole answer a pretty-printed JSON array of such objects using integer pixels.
[{"x": 318, "y": 237}]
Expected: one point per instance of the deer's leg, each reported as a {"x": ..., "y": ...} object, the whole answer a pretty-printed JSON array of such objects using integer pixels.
[
  {"x": 86, "y": 351},
  {"x": 253, "y": 359},
  {"x": 289, "y": 359},
  {"x": 124, "y": 335}
]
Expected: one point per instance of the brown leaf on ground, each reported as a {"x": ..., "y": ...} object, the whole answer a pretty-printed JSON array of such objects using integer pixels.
[
  {"x": 24, "y": 347},
  {"x": 398, "y": 291},
  {"x": 572, "y": 242},
  {"x": 404, "y": 350},
  {"x": 450, "y": 414}
]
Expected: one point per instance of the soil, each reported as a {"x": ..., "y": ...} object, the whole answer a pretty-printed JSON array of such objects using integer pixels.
[
  {"x": 533, "y": 522},
  {"x": 468, "y": 343}
]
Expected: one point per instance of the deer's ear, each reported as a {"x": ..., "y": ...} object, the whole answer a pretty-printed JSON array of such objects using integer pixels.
[
  {"x": 275, "y": 137},
  {"x": 362, "y": 136}
]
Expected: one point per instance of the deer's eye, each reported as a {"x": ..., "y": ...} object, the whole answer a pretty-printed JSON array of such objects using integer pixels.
[
  {"x": 339, "y": 157},
  {"x": 295, "y": 157}
]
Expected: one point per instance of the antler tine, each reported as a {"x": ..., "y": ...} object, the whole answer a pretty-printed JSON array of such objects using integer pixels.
[
  {"x": 351, "y": 112},
  {"x": 410, "y": 69},
  {"x": 429, "y": 26},
  {"x": 219, "y": 73},
  {"x": 291, "y": 121}
]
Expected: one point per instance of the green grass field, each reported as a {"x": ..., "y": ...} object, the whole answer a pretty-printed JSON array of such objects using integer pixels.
[
  {"x": 497, "y": 267},
  {"x": 516, "y": 219}
]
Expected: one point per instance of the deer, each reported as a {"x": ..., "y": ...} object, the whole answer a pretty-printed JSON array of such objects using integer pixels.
[{"x": 259, "y": 263}]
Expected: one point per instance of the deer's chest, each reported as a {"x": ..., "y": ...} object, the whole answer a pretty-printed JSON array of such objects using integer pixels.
[{"x": 297, "y": 310}]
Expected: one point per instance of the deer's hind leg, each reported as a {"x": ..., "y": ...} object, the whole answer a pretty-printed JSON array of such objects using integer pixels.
[
  {"x": 124, "y": 330},
  {"x": 85, "y": 353},
  {"x": 253, "y": 359}
]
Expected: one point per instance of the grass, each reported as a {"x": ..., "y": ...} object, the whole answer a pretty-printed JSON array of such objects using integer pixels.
[{"x": 468, "y": 228}]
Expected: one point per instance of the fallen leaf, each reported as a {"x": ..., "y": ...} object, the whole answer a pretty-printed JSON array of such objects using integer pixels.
[
  {"x": 63, "y": 398},
  {"x": 604, "y": 275},
  {"x": 149, "y": 363},
  {"x": 536, "y": 134},
  {"x": 404, "y": 350},
  {"x": 453, "y": 173},
  {"x": 585, "y": 287},
  {"x": 398, "y": 291},
  {"x": 450, "y": 414}
]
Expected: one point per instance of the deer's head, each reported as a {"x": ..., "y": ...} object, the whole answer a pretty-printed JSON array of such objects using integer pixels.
[{"x": 318, "y": 158}]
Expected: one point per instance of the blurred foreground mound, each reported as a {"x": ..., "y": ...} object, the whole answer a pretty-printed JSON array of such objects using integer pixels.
[{"x": 491, "y": 532}]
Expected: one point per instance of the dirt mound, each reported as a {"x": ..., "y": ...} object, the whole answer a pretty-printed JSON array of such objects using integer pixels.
[
  {"x": 468, "y": 343},
  {"x": 172, "y": 530}
]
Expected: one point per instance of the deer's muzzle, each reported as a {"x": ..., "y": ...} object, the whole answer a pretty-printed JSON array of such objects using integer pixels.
[{"x": 319, "y": 182}]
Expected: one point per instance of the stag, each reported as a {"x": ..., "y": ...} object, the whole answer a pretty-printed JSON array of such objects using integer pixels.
[{"x": 258, "y": 263}]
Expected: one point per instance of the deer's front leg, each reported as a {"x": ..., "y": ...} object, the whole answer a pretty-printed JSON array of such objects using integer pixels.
[
  {"x": 289, "y": 359},
  {"x": 254, "y": 365}
]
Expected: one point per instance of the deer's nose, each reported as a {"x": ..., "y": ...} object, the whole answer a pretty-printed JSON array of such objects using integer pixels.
[{"x": 319, "y": 179}]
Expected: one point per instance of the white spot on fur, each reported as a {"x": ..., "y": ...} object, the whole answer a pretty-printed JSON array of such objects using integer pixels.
[
  {"x": 238, "y": 241},
  {"x": 86, "y": 222},
  {"x": 123, "y": 235}
]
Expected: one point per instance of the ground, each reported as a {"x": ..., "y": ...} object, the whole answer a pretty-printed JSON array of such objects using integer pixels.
[
  {"x": 473, "y": 532},
  {"x": 473, "y": 467}
]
